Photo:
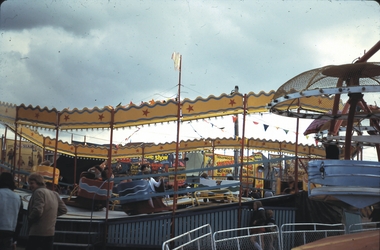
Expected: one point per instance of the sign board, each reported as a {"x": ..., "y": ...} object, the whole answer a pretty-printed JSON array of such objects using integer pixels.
[{"x": 181, "y": 178}]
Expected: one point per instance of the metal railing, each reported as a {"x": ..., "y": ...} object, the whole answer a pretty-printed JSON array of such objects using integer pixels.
[
  {"x": 152, "y": 230},
  {"x": 244, "y": 238},
  {"x": 288, "y": 237},
  {"x": 297, "y": 234},
  {"x": 361, "y": 227},
  {"x": 199, "y": 238}
]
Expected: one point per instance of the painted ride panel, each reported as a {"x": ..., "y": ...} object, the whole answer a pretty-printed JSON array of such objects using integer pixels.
[
  {"x": 137, "y": 190},
  {"x": 94, "y": 189},
  {"x": 91, "y": 194},
  {"x": 356, "y": 183},
  {"x": 139, "y": 201}
]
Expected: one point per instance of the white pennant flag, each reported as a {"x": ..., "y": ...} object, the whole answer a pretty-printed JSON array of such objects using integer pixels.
[{"x": 177, "y": 60}]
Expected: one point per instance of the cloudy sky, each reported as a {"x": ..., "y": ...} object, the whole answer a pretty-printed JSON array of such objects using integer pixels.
[{"x": 95, "y": 53}]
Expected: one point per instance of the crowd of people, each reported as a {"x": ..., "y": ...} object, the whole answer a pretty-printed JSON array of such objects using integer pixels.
[
  {"x": 45, "y": 206},
  {"x": 43, "y": 209}
]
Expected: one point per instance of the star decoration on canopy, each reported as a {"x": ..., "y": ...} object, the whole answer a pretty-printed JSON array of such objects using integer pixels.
[
  {"x": 146, "y": 112},
  {"x": 232, "y": 102},
  {"x": 190, "y": 108},
  {"x": 101, "y": 117},
  {"x": 37, "y": 115},
  {"x": 66, "y": 118}
]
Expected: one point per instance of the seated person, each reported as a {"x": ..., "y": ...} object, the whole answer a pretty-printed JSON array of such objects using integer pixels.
[
  {"x": 96, "y": 172},
  {"x": 153, "y": 184},
  {"x": 204, "y": 176},
  {"x": 256, "y": 194},
  {"x": 268, "y": 193},
  {"x": 99, "y": 172},
  {"x": 291, "y": 186}
]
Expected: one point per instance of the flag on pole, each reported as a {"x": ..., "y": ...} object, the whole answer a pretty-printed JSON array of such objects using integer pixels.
[{"x": 176, "y": 57}]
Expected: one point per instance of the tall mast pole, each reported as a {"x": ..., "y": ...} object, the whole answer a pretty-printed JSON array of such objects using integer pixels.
[{"x": 177, "y": 65}]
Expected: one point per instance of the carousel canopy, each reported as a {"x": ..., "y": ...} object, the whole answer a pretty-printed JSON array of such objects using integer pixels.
[
  {"x": 120, "y": 152},
  {"x": 146, "y": 113},
  {"x": 26, "y": 119}
]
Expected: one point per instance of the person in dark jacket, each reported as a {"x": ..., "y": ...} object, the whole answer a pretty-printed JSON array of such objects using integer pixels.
[
  {"x": 43, "y": 209},
  {"x": 258, "y": 219}
]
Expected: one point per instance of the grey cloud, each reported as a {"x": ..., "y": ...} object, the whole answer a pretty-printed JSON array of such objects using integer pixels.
[{"x": 97, "y": 53}]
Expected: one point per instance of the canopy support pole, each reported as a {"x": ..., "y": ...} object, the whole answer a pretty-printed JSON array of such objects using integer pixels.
[
  {"x": 354, "y": 99},
  {"x": 213, "y": 159},
  {"x": 19, "y": 158},
  {"x": 109, "y": 173},
  {"x": 14, "y": 145},
  {"x": 242, "y": 158},
  {"x": 296, "y": 150},
  {"x": 75, "y": 164},
  {"x": 4, "y": 147},
  {"x": 55, "y": 149}
]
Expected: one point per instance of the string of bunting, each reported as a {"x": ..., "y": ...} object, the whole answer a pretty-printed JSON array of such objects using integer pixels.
[
  {"x": 234, "y": 119},
  {"x": 213, "y": 125},
  {"x": 129, "y": 137},
  {"x": 266, "y": 126},
  {"x": 194, "y": 129}
]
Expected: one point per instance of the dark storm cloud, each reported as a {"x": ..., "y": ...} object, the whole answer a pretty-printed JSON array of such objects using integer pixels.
[
  {"x": 96, "y": 53},
  {"x": 72, "y": 16}
]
